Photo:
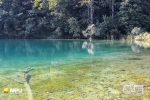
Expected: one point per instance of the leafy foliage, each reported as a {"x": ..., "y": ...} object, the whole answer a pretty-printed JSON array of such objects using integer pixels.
[
  {"x": 74, "y": 26},
  {"x": 89, "y": 31},
  {"x": 131, "y": 15},
  {"x": 71, "y": 18}
]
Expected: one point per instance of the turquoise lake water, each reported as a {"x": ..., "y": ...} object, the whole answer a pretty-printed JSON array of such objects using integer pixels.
[
  {"x": 74, "y": 69},
  {"x": 32, "y": 53}
]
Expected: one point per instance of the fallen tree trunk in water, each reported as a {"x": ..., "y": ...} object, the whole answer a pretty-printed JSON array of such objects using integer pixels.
[{"x": 25, "y": 81}]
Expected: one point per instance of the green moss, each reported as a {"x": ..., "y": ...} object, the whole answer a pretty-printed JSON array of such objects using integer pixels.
[
  {"x": 78, "y": 81},
  {"x": 8, "y": 72},
  {"x": 71, "y": 78},
  {"x": 52, "y": 85}
]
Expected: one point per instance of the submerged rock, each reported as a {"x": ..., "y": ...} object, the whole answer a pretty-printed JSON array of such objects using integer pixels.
[{"x": 132, "y": 58}]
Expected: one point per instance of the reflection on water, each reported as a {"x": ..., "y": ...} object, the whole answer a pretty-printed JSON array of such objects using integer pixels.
[
  {"x": 23, "y": 53},
  {"x": 32, "y": 52},
  {"x": 89, "y": 46},
  {"x": 135, "y": 48},
  {"x": 138, "y": 45}
]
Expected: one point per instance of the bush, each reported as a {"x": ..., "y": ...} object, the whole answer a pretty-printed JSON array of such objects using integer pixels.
[
  {"x": 90, "y": 31},
  {"x": 136, "y": 31},
  {"x": 143, "y": 37}
]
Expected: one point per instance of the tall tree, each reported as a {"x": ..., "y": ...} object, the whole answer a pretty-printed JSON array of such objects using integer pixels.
[
  {"x": 130, "y": 14},
  {"x": 90, "y": 8}
]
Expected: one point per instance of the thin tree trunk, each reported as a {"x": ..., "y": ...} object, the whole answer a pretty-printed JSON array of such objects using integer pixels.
[
  {"x": 88, "y": 14},
  {"x": 91, "y": 15},
  {"x": 29, "y": 90},
  {"x": 91, "y": 12},
  {"x": 112, "y": 9},
  {"x": 26, "y": 84}
]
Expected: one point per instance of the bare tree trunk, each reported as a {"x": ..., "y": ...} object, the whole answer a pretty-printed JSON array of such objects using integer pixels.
[
  {"x": 91, "y": 15},
  {"x": 112, "y": 9},
  {"x": 88, "y": 14},
  {"x": 26, "y": 84},
  {"x": 91, "y": 12}
]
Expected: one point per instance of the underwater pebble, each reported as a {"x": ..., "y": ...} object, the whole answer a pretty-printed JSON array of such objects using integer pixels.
[
  {"x": 81, "y": 88},
  {"x": 110, "y": 80},
  {"x": 83, "y": 95},
  {"x": 75, "y": 80},
  {"x": 64, "y": 91},
  {"x": 122, "y": 70},
  {"x": 70, "y": 92},
  {"x": 123, "y": 80},
  {"x": 51, "y": 92}
]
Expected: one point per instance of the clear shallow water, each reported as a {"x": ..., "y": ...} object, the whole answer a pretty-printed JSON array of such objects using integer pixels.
[
  {"x": 73, "y": 69},
  {"x": 25, "y": 53}
]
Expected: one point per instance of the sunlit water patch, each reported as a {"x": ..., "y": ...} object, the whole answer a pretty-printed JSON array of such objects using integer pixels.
[{"x": 74, "y": 70}]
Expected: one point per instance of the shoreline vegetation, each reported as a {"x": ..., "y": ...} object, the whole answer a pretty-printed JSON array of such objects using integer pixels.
[
  {"x": 77, "y": 19},
  {"x": 143, "y": 40},
  {"x": 139, "y": 37},
  {"x": 143, "y": 37}
]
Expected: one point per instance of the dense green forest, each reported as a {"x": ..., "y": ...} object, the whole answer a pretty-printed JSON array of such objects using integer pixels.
[{"x": 72, "y": 18}]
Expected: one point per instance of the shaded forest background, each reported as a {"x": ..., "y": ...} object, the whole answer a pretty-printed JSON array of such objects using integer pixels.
[{"x": 72, "y": 18}]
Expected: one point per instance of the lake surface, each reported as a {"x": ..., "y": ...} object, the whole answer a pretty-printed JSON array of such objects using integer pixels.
[
  {"x": 75, "y": 69},
  {"x": 25, "y": 53}
]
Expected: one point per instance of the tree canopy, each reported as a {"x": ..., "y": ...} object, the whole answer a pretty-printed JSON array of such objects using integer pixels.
[{"x": 71, "y": 18}]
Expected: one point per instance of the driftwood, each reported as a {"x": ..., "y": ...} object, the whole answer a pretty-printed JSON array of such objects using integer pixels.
[{"x": 25, "y": 80}]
